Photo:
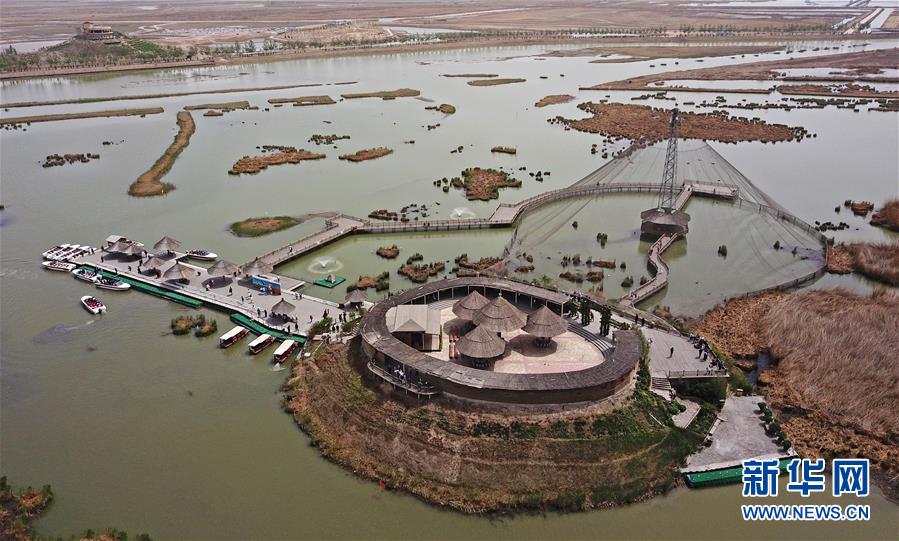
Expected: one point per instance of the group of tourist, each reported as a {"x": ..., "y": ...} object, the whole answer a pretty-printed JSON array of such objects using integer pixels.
[{"x": 705, "y": 353}]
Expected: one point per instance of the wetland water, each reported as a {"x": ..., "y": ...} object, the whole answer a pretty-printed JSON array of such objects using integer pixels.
[{"x": 176, "y": 438}]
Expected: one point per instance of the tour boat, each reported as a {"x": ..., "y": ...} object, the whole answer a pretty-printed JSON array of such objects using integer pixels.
[
  {"x": 202, "y": 255},
  {"x": 260, "y": 343},
  {"x": 92, "y": 304},
  {"x": 284, "y": 350},
  {"x": 85, "y": 274},
  {"x": 58, "y": 266},
  {"x": 109, "y": 283},
  {"x": 231, "y": 337}
]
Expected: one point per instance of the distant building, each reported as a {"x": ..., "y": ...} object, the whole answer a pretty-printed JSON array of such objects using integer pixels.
[{"x": 98, "y": 32}]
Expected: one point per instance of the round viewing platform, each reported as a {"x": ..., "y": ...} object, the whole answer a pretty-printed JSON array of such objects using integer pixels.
[{"x": 499, "y": 345}]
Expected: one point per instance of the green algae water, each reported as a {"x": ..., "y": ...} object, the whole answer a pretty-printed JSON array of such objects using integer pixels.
[{"x": 146, "y": 432}]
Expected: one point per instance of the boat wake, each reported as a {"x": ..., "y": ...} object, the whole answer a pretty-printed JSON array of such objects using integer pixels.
[{"x": 60, "y": 333}]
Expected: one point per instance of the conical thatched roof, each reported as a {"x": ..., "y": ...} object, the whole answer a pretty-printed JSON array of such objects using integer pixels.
[
  {"x": 356, "y": 296},
  {"x": 283, "y": 307},
  {"x": 154, "y": 263},
  {"x": 120, "y": 246},
  {"x": 499, "y": 316},
  {"x": 222, "y": 268},
  {"x": 167, "y": 243},
  {"x": 481, "y": 344},
  {"x": 467, "y": 307},
  {"x": 257, "y": 266},
  {"x": 178, "y": 270},
  {"x": 132, "y": 249},
  {"x": 544, "y": 323}
]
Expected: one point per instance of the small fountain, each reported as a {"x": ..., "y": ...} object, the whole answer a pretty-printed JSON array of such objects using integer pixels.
[
  {"x": 462, "y": 213},
  {"x": 325, "y": 265}
]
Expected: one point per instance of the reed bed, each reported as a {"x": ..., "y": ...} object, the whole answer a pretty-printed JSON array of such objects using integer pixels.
[
  {"x": 879, "y": 261},
  {"x": 888, "y": 215},
  {"x": 150, "y": 183},
  {"x": 837, "y": 357}
]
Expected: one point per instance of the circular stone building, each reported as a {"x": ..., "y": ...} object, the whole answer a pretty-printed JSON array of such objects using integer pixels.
[{"x": 410, "y": 340}]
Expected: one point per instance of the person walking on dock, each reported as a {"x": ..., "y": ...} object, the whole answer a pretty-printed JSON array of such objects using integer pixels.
[
  {"x": 230, "y": 291},
  {"x": 671, "y": 353}
]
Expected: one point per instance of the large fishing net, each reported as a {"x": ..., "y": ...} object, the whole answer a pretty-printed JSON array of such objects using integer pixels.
[{"x": 766, "y": 246}]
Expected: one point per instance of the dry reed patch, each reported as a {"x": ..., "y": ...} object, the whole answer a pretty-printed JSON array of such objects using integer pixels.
[
  {"x": 651, "y": 124},
  {"x": 150, "y": 183},
  {"x": 484, "y": 184},
  {"x": 471, "y": 75},
  {"x": 554, "y": 99},
  {"x": 384, "y": 94},
  {"x": 879, "y": 261},
  {"x": 735, "y": 326},
  {"x": 367, "y": 154},
  {"x": 837, "y": 372},
  {"x": 88, "y": 114},
  {"x": 228, "y": 105},
  {"x": 304, "y": 100},
  {"x": 887, "y": 216},
  {"x": 444, "y": 108},
  {"x": 839, "y": 259},
  {"x": 254, "y": 164},
  {"x": 495, "y": 82}
]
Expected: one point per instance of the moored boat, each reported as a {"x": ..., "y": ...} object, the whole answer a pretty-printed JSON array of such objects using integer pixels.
[
  {"x": 85, "y": 274},
  {"x": 231, "y": 337},
  {"x": 260, "y": 343},
  {"x": 284, "y": 350},
  {"x": 109, "y": 283},
  {"x": 58, "y": 266},
  {"x": 55, "y": 250},
  {"x": 92, "y": 304},
  {"x": 202, "y": 255}
]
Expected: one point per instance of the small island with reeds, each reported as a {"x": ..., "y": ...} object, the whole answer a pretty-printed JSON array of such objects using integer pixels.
[
  {"x": 256, "y": 227},
  {"x": 367, "y": 154},
  {"x": 150, "y": 183}
]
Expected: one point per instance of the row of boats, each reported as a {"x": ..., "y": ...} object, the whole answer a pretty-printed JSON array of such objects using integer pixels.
[
  {"x": 65, "y": 252},
  {"x": 260, "y": 343}
]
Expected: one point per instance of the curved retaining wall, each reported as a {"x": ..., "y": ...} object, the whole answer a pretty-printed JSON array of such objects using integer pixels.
[{"x": 592, "y": 383}]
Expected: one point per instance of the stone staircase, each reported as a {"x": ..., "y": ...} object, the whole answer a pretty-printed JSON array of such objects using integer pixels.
[
  {"x": 600, "y": 342},
  {"x": 661, "y": 386}
]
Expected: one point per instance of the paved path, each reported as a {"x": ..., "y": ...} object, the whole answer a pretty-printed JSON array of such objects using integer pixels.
[{"x": 739, "y": 436}]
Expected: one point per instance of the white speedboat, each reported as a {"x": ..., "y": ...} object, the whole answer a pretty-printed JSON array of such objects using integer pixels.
[
  {"x": 55, "y": 250},
  {"x": 58, "y": 266},
  {"x": 109, "y": 283},
  {"x": 93, "y": 304},
  {"x": 85, "y": 274},
  {"x": 202, "y": 255}
]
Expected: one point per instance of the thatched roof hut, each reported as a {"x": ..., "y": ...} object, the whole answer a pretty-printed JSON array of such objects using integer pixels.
[
  {"x": 178, "y": 271},
  {"x": 154, "y": 263},
  {"x": 544, "y": 323},
  {"x": 499, "y": 315},
  {"x": 222, "y": 268},
  {"x": 481, "y": 344},
  {"x": 283, "y": 308},
  {"x": 257, "y": 266},
  {"x": 356, "y": 296},
  {"x": 167, "y": 244},
  {"x": 467, "y": 307},
  {"x": 120, "y": 247}
]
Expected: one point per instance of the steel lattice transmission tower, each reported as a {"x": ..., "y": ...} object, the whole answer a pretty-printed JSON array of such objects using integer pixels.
[
  {"x": 666, "y": 191},
  {"x": 665, "y": 219}
]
